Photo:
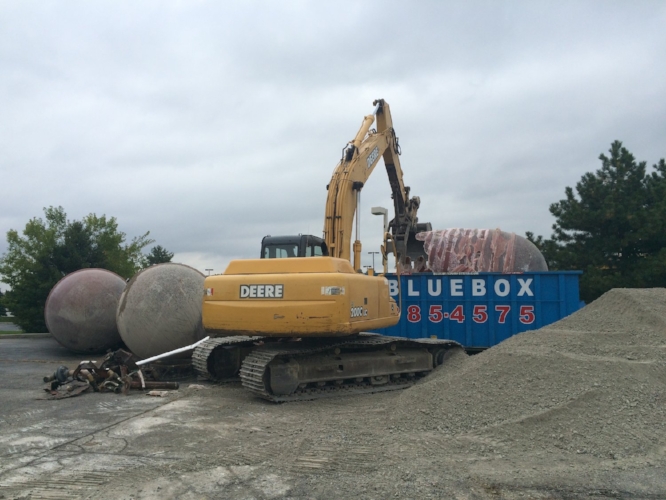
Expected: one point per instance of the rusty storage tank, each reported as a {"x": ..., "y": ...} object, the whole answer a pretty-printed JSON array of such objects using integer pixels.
[
  {"x": 160, "y": 310},
  {"x": 80, "y": 311},
  {"x": 477, "y": 250}
]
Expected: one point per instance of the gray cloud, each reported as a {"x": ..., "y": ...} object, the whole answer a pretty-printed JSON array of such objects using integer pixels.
[{"x": 214, "y": 123}]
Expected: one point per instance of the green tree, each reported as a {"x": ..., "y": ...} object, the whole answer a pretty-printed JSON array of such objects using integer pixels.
[
  {"x": 158, "y": 255},
  {"x": 51, "y": 248},
  {"x": 612, "y": 227}
]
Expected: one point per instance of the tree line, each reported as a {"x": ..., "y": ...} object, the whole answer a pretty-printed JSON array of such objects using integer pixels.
[
  {"x": 50, "y": 248},
  {"x": 613, "y": 227}
]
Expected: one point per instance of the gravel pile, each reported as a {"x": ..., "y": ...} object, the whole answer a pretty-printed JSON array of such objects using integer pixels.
[{"x": 593, "y": 383}]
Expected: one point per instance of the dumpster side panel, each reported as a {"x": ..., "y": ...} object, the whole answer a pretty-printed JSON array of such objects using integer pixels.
[{"x": 481, "y": 310}]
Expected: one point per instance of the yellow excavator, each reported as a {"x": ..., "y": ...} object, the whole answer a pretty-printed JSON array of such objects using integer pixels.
[{"x": 292, "y": 323}]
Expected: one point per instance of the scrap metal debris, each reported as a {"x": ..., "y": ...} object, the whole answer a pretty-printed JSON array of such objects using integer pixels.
[{"x": 118, "y": 372}]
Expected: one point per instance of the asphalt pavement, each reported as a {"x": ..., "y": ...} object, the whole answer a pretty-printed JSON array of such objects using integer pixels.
[{"x": 37, "y": 434}]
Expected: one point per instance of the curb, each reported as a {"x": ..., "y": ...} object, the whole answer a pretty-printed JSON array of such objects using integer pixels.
[{"x": 25, "y": 335}]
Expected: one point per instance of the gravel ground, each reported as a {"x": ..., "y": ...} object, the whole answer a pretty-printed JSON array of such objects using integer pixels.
[{"x": 574, "y": 410}]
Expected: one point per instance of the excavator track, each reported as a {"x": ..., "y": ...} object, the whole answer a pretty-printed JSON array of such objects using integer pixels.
[
  {"x": 321, "y": 368},
  {"x": 216, "y": 358}
]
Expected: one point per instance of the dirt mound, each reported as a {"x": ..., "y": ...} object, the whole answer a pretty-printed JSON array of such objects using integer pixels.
[{"x": 593, "y": 383}]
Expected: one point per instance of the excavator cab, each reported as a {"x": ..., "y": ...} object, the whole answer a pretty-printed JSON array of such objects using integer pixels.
[{"x": 302, "y": 245}]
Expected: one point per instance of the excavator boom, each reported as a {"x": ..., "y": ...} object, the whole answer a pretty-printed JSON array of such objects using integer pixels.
[{"x": 359, "y": 160}]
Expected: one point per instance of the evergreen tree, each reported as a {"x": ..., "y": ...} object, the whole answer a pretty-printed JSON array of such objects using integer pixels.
[
  {"x": 612, "y": 227},
  {"x": 158, "y": 255}
]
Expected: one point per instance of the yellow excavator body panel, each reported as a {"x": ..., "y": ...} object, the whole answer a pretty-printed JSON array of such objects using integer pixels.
[{"x": 296, "y": 297}]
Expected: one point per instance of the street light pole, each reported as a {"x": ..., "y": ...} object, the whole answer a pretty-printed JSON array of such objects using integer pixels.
[
  {"x": 381, "y": 211},
  {"x": 373, "y": 259},
  {"x": 209, "y": 270}
]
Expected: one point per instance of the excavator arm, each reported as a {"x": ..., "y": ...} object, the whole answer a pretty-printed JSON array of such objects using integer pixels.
[{"x": 359, "y": 159}]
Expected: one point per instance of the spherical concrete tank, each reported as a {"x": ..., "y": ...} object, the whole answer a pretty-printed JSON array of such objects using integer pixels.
[
  {"x": 80, "y": 310},
  {"x": 160, "y": 310}
]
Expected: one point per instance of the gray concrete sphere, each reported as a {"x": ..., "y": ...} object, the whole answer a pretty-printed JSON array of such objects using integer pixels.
[
  {"x": 80, "y": 311},
  {"x": 160, "y": 310}
]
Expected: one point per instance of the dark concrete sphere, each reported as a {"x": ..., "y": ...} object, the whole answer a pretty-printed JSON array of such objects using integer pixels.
[{"x": 80, "y": 310}]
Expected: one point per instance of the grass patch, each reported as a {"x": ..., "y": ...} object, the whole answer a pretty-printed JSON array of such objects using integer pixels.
[{"x": 6, "y": 319}]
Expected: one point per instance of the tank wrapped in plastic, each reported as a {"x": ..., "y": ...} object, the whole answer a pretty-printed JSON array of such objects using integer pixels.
[
  {"x": 460, "y": 250},
  {"x": 80, "y": 311},
  {"x": 160, "y": 310}
]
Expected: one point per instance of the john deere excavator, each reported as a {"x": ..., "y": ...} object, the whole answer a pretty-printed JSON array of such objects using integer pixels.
[{"x": 292, "y": 323}]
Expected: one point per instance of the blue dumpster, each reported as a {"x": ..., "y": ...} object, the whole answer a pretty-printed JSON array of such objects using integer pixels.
[{"x": 481, "y": 310}]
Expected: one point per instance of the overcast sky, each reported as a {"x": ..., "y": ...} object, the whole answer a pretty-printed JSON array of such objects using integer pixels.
[{"x": 213, "y": 124}]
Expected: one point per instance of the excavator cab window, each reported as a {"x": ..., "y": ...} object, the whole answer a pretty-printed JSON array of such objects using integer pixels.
[
  {"x": 303, "y": 245},
  {"x": 313, "y": 250},
  {"x": 280, "y": 251}
]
